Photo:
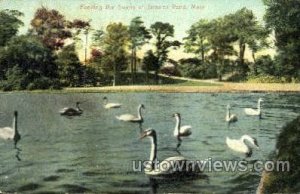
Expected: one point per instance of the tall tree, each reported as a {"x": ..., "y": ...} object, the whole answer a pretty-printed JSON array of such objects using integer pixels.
[
  {"x": 244, "y": 25},
  {"x": 70, "y": 68},
  {"x": 162, "y": 33},
  {"x": 221, "y": 41},
  {"x": 51, "y": 26},
  {"x": 28, "y": 56},
  {"x": 150, "y": 63},
  {"x": 283, "y": 17},
  {"x": 139, "y": 35},
  {"x": 115, "y": 42},
  {"x": 9, "y": 25},
  {"x": 197, "y": 39}
]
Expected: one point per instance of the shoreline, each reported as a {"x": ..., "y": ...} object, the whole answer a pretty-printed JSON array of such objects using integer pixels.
[
  {"x": 223, "y": 87},
  {"x": 220, "y": 87}
]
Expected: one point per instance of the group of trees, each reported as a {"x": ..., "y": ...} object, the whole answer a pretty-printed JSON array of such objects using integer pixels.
[
  {"x": 220, "y": 44},
  {"x": 214, "y": 42},
  {"x": 46, "y": 56}
]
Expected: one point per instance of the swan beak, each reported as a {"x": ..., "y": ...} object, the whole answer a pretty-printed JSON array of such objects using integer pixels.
[{"x": 143, "y": 135}]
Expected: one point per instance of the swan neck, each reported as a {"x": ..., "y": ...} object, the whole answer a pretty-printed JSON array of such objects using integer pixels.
[
  {"x": 105, "y": 101},
  {"x": 153, "y": 151},
  {"x": 140, "y": 113},
  {"x": 178, "y": 122},
  {"x": 258, "y": 105},
  {"x": 228, "y": 112},
  {"x": 15, "y": 124},
  {"x": 78, "y": 108}
]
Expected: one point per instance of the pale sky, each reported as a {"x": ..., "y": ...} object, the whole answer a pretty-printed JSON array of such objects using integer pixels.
[{"x": 180, "y": 13}]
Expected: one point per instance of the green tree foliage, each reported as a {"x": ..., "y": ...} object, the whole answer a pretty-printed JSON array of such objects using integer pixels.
[
  {"x": 283, "y": 17},
  {"x": 9, "y": 25},
  {"x": 150, "y": 63},
  {"x": 197, "y": 40},
  {"x": 196, "y": 68},
  {"x": 115, "y": 42},
  {"x": 70, "y": 68},
  {"x": 244, "y": 26},
  {"x": 138, "y": 37},
  {"x": 221, "y": 40},
  {"x": 162, "y": 32},
  {"x": 26, "y": 57}
]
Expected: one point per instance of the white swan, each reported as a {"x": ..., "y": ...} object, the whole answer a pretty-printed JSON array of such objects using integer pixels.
[
  {"x": 230, "y": 118},
  {"x": 110, "y": 105},
  {"x": 132, "y": 118},
  {"x": 11, "y": 133},
  {"x": 67, "y": 111},
  {"x": 181, "y": 131},
  {"x": 239, "y": 145},
  {"x": 254, "y": 112},
  {"x": 169, "y": 167}
]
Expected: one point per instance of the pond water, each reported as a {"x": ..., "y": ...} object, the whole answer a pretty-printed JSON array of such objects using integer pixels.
[{"x": 94, "y": 152}]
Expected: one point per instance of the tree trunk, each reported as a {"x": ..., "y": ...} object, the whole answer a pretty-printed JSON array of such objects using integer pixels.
[
  {"x": 131, "y": 66},
  {"x": 115, "y": 75},
  {"x": 134, "y": 64},
  {"x": 254, "y": 64},
  {"x": 202, "y": 50},
  {"x": 156, "y": 77},
  {"x": 241, "y": 56},
  {"x": 147, "y": 74}
]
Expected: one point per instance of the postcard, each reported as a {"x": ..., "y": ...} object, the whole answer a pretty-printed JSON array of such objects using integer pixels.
[{"x": 149, "y": 96}]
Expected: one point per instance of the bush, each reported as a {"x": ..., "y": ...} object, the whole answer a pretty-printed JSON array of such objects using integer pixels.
[
  {"x": 270, "y": 79},
  {"x": 170, "y": 71},
  {"x": 195, "y": 68}
]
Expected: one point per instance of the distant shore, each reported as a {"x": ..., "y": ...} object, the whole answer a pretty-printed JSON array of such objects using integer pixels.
[{"x": 221, "y": 87}]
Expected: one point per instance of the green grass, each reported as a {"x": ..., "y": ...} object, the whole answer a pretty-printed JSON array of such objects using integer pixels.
[{"x": 193, "y": 83}]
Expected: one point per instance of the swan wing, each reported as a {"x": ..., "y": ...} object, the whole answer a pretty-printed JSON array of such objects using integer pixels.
[
  {"x": 126, "y": 117},
  {"x": 232, "y": 118},
  {"x": 185, "y": 130},
  {"x": 251, "y": 111},
  {"x": 236, "y": 145},
  {"x": 168, "y": 166},
  {"x": 7, "y": 133},
  {"x": 112, "y": 105}
]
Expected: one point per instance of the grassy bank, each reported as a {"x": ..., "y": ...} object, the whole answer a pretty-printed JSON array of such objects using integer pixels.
[{"x": 288, "y": 147}]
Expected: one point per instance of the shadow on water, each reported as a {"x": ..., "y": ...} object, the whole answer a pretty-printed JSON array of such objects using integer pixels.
[{"x": 179, "y": 181}]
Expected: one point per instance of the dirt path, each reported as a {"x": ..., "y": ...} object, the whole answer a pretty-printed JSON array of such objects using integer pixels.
[{"x": 225, "y": 87}]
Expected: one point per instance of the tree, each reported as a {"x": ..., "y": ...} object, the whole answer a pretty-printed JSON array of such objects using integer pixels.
[
  {"x": 82, "y": 27},
  {"x": 150, "y": 62},
  {"x": 197, "y": 39},
  {"x": 51, "y": 27},
  {"x": 162, "y": 32},
  {"x": 70, "y": 68},
  {"x": 283, "y": 17},
  {"x": 244, "y": 26},
  {"x": 9, "y": 25},
  {"x": 115, "y": 42},
  {"x": 25, "y": 55},
  {"x": 221, "y": 40},
  {"x": 138, "y": 37}
]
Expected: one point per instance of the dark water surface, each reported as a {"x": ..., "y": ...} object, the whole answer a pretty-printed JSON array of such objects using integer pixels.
[{"x": 94, "y": 152}]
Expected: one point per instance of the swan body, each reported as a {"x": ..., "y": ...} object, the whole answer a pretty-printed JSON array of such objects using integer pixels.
[
  {"x": 11, "y": 133},
  {"x": 181, "y": 131},
  {"x": 110, "y": 105},
  {"x": 239, "y": 145},
  {"x": 230, "y": 118},
  {"x": 68, "y": 111},
  {"x": 254, "y": 112},
  {"x": 168, "y": 167},
  {"x": 133, "y": 118}
]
